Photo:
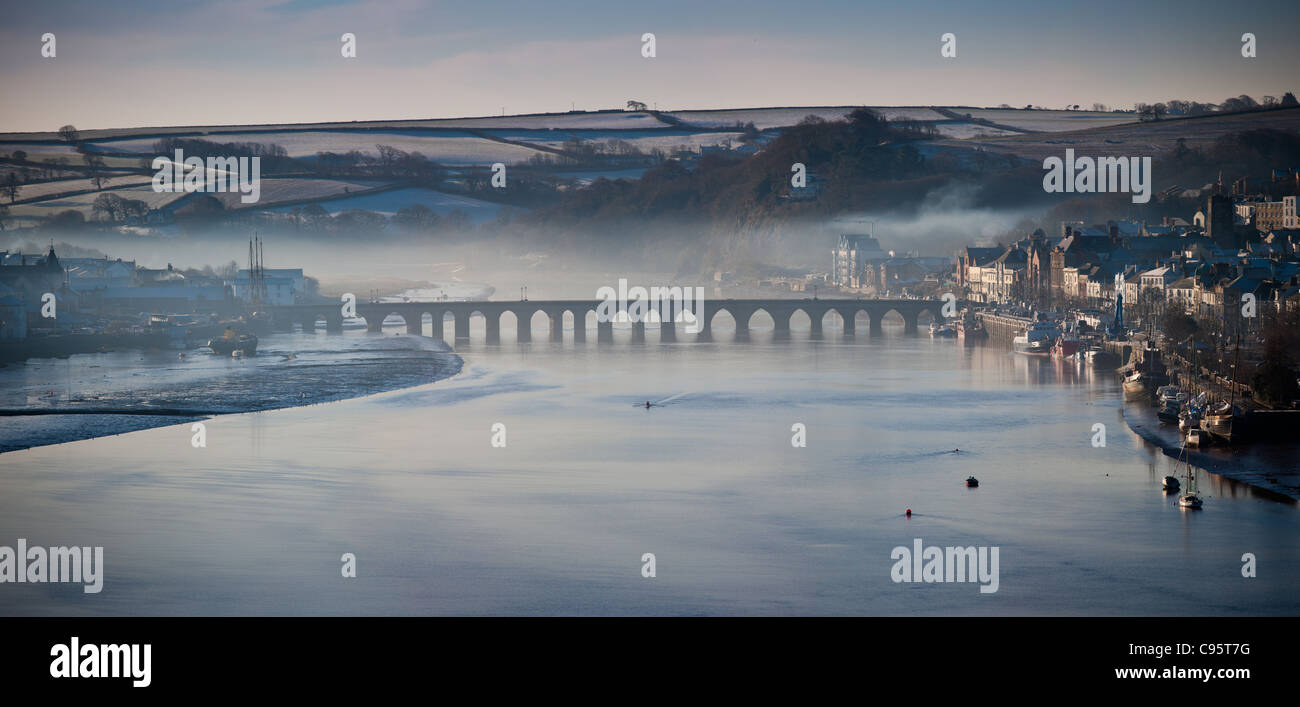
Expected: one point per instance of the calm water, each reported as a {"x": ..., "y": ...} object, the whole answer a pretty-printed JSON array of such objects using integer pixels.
[{"x": 740, "y": 522}]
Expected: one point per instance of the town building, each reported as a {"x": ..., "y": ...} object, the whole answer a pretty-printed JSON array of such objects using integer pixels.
[{"x": 850, "y": 258}]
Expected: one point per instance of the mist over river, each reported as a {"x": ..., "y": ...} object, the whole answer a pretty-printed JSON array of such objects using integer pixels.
[{"x": 589, "y": 480}]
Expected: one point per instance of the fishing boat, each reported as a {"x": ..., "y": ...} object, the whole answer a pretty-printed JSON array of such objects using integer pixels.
[
  {"x": 970, "y": 331},
  {"x": 232, "y": 341},
  {"x": 1218, "y": 420},
  {"x": 1066, "y": 346},
  {"x": 1135, "y": 383},
  {"x": 1170, "y": 394},
  {"x": 1037, "y": 338},
  {"x": 939, "y": 330}
]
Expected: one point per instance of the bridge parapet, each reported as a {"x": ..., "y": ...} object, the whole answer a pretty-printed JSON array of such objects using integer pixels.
[{"x": 741, "y": 310}]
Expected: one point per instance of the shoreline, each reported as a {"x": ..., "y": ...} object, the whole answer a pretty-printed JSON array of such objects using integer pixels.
[
  {"x": 1226, "y": 468},
  {"x": 81, "y": 423}
]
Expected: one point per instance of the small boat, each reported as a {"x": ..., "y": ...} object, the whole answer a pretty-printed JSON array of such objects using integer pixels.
[
  {"x": 1218, "y": 420},
  {"x": 1066, "y": 346},
  {"x": 1135, "y": 383},
  {"x": 1037, "y": 338},
  {"x": 970, "y": 331},
  {"x": 231, "y": 341},
  {"x": 1171, "y": 483},
  {"x": 1168, "y": 414},
  {"x": 1189, "y": 419},
  {"x": 942, "y": 331},
  {"x": 1191, "y": 499},
  {"x": 1170, "y": 394},
  {"x": 972, "y": 482},
  {"x": 1197, "y": 438}
]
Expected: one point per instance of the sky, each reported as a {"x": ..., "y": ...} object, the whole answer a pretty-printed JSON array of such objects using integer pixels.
[{"x": 137, "y": 63}]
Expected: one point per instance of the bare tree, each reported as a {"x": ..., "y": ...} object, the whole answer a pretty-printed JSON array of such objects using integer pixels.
[
  {"x": 111, "y": 205},
  {"x": 95, "y": 170},
  {"x": 10, "y": 187},
  {"x": 69, "y": 135}
]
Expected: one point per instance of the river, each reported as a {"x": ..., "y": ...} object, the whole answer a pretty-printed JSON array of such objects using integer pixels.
[{"x": 740, "y": 522}]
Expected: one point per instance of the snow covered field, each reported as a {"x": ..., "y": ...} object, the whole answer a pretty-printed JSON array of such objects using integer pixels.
[
  {"x": 762, "y": 118},
  {"x": 589, "y": 176},
  {"x": 83, "y": 202},
  {"x": 1050, "y": 120},
  {"x": 644, "y": 140},
  {"x": 451, "y": 148},
  {"x": 629, "y": 120},
  {"x": 390, "y": 202},
  {"x": 962, "y": 131},
  {"x": 277, "y": 190},
  {"x": 63, "y": 186}
]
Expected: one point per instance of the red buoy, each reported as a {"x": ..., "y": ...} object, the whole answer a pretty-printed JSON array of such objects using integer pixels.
[{"x": 909, "y": 513}]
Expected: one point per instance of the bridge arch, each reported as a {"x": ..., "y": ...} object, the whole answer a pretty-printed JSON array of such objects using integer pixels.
[
  {"x": 832, "y": 318},
  {"x": 375, "y": 323},
  {"x": 800, "y": 318},
  {"x": 749, "y": 320}
]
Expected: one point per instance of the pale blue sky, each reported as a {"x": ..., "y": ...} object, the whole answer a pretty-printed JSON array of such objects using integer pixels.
[{"x": 135, "y": 63}]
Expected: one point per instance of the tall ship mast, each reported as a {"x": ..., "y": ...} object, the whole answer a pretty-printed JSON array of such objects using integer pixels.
[{"x": 256, "y": 274}]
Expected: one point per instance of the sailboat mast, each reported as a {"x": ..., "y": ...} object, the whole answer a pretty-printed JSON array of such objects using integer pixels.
[{"x": 1236, "y": 361}]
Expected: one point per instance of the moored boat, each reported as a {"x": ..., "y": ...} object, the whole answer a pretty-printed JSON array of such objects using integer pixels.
[
  {"x": 1191, "y": 499},
  {"x": 1135, "y": 383},
  {"x": 1066, "y": 346},
  {"x": 1169, "y": 394},
  {"x": 232, "y": 341},
  {"x": 940, "y": 330},
  {"x": 1037, "y": 338},
  {"x": 970, "y": 331},
  {"x": 1219, "y": 420}
]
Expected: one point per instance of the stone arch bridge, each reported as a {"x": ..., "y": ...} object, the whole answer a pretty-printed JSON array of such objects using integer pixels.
[{"x": 742, "y": 310}]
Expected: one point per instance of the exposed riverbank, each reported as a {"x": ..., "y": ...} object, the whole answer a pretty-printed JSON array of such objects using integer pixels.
[
  {"x": 49, "y": 401},
  {"x": 1272, "y": 467}
]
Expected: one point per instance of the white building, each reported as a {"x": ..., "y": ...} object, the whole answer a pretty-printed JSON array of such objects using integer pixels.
[{"x": 283, "y": 285}]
